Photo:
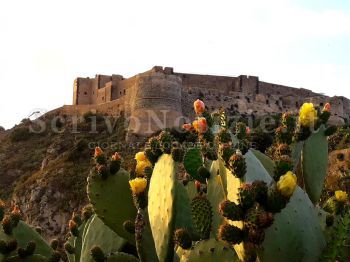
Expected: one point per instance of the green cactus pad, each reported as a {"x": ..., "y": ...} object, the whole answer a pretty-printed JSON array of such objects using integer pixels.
[
  {"x": 314, "y": 163},
  {"x": 112, "y": 201},
  {"x": 209, "y": 250},
  {"x": 216, "y": 195},
  {"x": 78, "y": 241},
  {"x": 99, "y": 234},
  {"x": 144, "y": 240},
  {"x": 23, "y": 233},
  {"x": 182, "y": 208},
  {"x": 192, "y": 161},
  {"x": 161, "y": 205},
  {"x": 299, "y": 221},
  {"x": 121, "y": 257},
  {"x": 71, "y": 257},
  {"x": 202, "y": 216},
  {"x": 265, "y": 161},
  {"x": 32, "y": 258}
]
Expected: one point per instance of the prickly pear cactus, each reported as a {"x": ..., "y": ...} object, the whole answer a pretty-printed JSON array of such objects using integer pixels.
[
  {"x": 23, "y": 234},
  {"x": 112, "y": 201},
  {"x": 161, "y": 205},
  {"x": 209, "y": 250},
  {"x": 98, "y": 233},
  {"x": 298, "y": 221},
  {"x": 314, "y": 162}
]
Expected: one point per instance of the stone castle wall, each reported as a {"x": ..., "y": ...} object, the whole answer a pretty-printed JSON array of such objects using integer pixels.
[{"x": 160, "y": 90}]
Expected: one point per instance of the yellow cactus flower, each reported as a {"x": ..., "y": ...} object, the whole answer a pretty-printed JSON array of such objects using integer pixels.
[
  {"x": 141, "y": 165},
  {"x": 140, "y": 156},
  {"x": 307, "y": 115},
  {"x": 138, "y": 185},
  {"x": 341, "y": 196},
  {"x": 287, "y": 184}
]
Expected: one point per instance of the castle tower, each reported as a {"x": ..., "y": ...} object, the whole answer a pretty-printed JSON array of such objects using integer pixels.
[{"x": 155, "y": 101}]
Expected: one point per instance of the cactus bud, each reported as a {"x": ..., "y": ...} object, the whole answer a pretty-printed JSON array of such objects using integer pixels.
[
  {"x": 116, "y": 157},
  {"x": 87, "y": 212},
  {"x": 182, "y": 238},
  {"x": 199, "y": 107},
  {"x": 223, "y": 136},
  {"x": 102, "y": 171},
  {"x": 231, "y": 211},
  {"x": 226, "y": 151},
  {"x": 275, "y": 200},
  {"x": 241, "y": 130},
  {"x": 99, "y": 156},
  {"x": 97, "y": 254},
  {"x": 255, "y": 235},
  {"x": 54, "y": 244},
  {"x": 15, "y": 216},
  {"x": 188, "y": 127},
  {"x": 282, "y": 166},
  {"x": 203, "y": 172},
  {"x": 230, "y": 234},
  {"x": 55, "y": 257},
  {"x": 260, "y": 189},
  {"x": 166, "y": 141},
  {"x": 197, "y": 184},
  {"x": 129, "y": 226},
  {"x": 237, "y": 165},
  {"x": 73, "y": 228},
  {"x": 69, "y": 248},
  {"x": 22, "y": 253},
  {"x": 7, "y": 225},
  {"x": 31, "y": 246},
  {"x": 246, "y": 195},
  {"x": 257, "y": 216},
  {"x": 177, "y": 154},
  {"x": 76, "y": 218}
]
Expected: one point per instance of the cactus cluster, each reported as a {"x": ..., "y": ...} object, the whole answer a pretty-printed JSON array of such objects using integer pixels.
[{"x": 210, "y": 198}]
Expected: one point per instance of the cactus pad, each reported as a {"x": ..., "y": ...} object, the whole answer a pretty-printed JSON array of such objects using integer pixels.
[
  {"x": 112, "y": 201},
  {"x": 192, "y": 162},
  {"x": 161, "y": 205},
  {"x": 209, "y": 250},
  {"x": 314, "y": 163},
  {"x": 98, "y": 233}
]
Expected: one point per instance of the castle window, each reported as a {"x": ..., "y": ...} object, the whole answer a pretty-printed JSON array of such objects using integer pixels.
[
  {"x": 120, "y": 92},
  {"x": 124, "y": 91},
  {"x": 103, "y": 98},
  {"x": 85, "y": 93}
]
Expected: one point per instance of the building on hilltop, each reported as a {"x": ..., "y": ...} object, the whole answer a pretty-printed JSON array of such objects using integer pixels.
[{"x": 163, "y": 95}]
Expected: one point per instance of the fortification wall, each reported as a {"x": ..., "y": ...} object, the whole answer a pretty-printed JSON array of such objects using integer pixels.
[
  {"x": 155, "y": 102},
  {"x": 160, "y": 89}
]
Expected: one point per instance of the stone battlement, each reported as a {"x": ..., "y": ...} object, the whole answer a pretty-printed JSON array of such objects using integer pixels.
[{"x": 162, "y": 89}]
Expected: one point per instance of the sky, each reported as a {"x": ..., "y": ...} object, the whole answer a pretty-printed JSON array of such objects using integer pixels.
[{"x": 45, "y": 45}]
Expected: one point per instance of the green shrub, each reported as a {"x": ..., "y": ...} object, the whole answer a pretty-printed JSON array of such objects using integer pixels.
[{"x": 20, "y": 134}]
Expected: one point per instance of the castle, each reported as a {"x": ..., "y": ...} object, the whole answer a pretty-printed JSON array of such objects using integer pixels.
[{"x": 163, "y": 95}]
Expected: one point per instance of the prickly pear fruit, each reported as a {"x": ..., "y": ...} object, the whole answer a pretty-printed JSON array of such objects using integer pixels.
[
  {"x": 231, "y": 210},
  {"x": 230, "y": 234},
  {"x": 182, "y": 238}
]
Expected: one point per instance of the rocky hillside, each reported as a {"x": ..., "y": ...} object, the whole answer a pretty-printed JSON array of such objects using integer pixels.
[{"x": 45, "y": 173}]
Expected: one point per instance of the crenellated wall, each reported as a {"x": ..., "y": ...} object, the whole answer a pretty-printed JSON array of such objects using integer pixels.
[{"x": 162, "y": 95}]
